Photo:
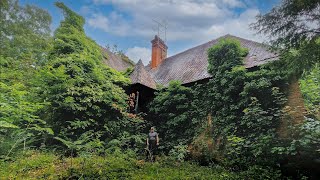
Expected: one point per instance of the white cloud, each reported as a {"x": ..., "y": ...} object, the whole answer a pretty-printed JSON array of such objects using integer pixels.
[
  {"x": 99, "y": 21},
  {"x": 114, "y": 23},
  {"x": 137, "y": 53},
  {"x": 234, "y": 3},
  {"x": 238, "y": 26},
  {"x": 183, "y": 17},
  {"x": 192, "y": 21}
]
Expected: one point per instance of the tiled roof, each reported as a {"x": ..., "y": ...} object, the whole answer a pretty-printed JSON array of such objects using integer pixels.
[
  {"x": 115, "y": 61},
  {"x": 141, "y": 76},
  {"x": 191, "y": 65}
]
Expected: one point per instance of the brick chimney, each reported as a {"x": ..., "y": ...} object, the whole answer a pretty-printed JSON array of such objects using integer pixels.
[{"x": 159, "y": 52}]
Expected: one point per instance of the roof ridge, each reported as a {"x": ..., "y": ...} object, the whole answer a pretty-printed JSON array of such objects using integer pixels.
[
  {"x": 260, "y": 43},
  {"x": 208, "y": 42},
  {"x": 190, "y": 49},
  {"x": 191, "y": 65}
]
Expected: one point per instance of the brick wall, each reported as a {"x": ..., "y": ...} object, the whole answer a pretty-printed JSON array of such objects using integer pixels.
[{"x": 294, "y": 110}]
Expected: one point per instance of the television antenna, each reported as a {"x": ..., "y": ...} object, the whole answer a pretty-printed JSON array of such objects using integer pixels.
[{"x": 161, "y": 28}]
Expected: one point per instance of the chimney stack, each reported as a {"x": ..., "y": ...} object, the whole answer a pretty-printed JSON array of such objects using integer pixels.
[{"x": 159, "y": 51}]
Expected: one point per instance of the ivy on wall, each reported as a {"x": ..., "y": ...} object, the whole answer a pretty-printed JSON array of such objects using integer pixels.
[{"x": 245, "y": 106}]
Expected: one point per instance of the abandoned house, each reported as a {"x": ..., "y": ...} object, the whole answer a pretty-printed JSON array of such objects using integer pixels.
[{"x": 189, "y": 67}]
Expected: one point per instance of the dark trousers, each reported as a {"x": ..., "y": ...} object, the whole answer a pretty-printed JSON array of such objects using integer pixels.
[{"x": 153, "y": 146}]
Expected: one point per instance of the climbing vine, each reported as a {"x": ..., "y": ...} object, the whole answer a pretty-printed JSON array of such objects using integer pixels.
[
  {"x": 245, "y": 107},
  {"x": 175, "y": 116},
  {"x": 87, "y": 102}
]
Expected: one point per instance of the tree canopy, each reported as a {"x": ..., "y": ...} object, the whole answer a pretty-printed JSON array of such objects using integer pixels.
[
  {"x": 293, "y": 28},
  {"x": 25, "y": 31},
  {"x": 291, "y": 23},
  {"x": 25, "y": 40}
]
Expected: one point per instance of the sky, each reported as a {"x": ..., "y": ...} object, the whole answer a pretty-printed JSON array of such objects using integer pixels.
[{"x": 130, "y": 24}]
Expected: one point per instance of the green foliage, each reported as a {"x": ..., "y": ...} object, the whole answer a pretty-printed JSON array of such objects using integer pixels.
[
  {"x": 302, "y": 59},
  {"x": 69, "y": 38},
  {"x": 310, "y": 88},
  {"x": 71, "y": 19},
  {"x": 58, "y": 92},
  {"x": 87, "y": 143},
  {"x": 219, "y": 55},
  {"x": 114, "y": 165},
  {"x": 19, "y": 124},
  {"x": 260, "y": 172},
  {"x": 245, "y": 106},
  {"x": 174, "y": 115},
  {"x": 128, "y": 71},
  {"x": 294, "y": 27},
  {"x": 179, "y": 152},
  {"x": 35, "y": 165},
  {"x": 25, "y": 37},
  {"x": 307, "y": 143},
  {"x": 87, "y": 102},
  {"x": 306, "y": 135},
  {"x": 25, "y": 32},
  {"x": 310, "y": 138},
  {"x": 118, "y": 165},
  {"x": 291, "y": 22}
]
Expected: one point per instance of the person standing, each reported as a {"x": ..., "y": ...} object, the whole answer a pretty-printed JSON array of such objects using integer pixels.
[{"x": 152, "y": 141}]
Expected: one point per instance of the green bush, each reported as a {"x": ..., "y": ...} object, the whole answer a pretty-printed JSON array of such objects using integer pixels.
[
  {"x": 260, "y": 173},
  {"x": 174, "y": 114},
  {"x": 86, "y": 100},
  {"x": 179, "y": 152},
  {"x": 310, "y": 88}
]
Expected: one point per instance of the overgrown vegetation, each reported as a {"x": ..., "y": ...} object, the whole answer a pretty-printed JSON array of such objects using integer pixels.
[
  {"x": 64, "y": 113},
  {"x": 25, "y": 39},
  {"x": 310, "y": 87},
  {"x": 87, "y": 100},
  {"x": 245, "y": 108},
  {"x": 70, "y": 99},
  {"x": 294, "y": 28},
  {"x": 117, "y": 165},
  {"x": 174, "y": 113}
]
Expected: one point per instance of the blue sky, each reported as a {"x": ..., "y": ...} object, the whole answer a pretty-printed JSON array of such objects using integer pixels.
[{"x": 129, "y": 23}]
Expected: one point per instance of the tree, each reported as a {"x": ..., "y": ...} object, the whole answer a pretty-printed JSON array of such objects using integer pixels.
[
  {"x": 25, "y": 32},
  {"x": 86, "y": 98},
  {"x": 294, "y": 29},
  {"x": 291, "y": 23},
  {"x": 20, "y": 125},
  {"x": 24, "y": 37}
]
